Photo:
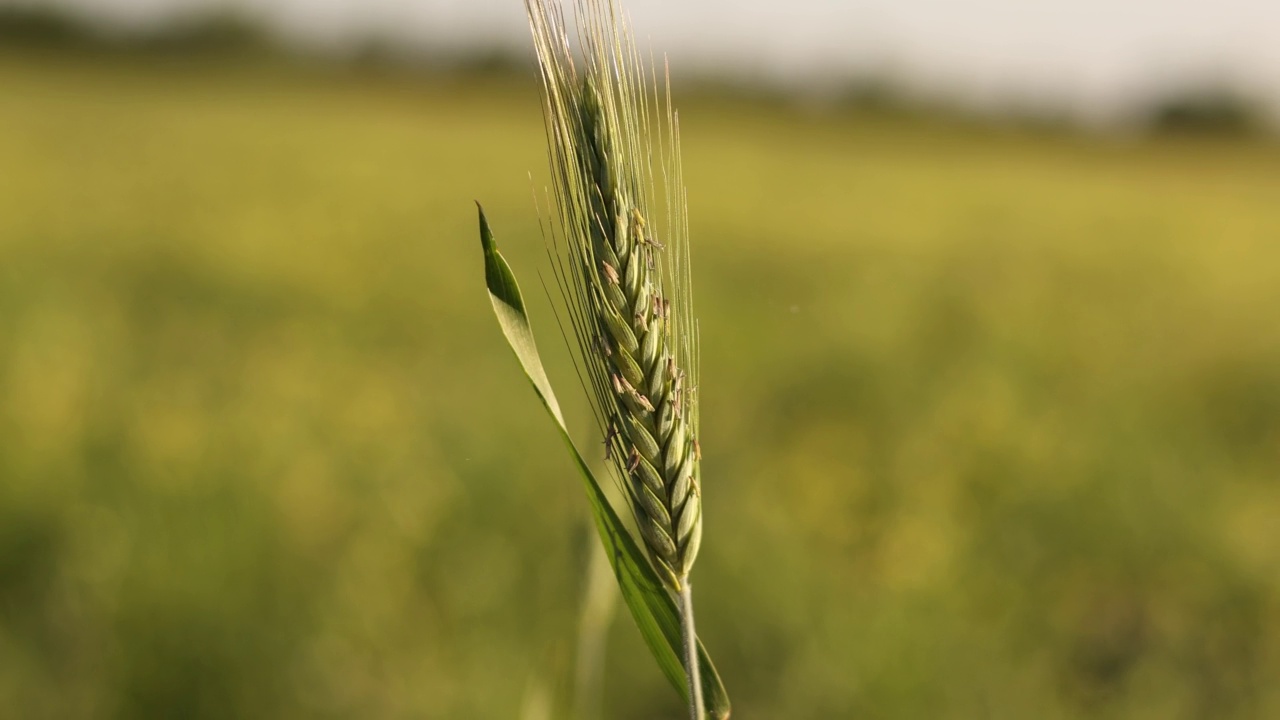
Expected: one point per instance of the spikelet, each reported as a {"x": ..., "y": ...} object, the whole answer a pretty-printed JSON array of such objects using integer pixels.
[{"x": 613, "y": 145}]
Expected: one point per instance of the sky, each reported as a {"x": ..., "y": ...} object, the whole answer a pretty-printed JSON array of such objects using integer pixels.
[{"x": 1091, "y": 55}]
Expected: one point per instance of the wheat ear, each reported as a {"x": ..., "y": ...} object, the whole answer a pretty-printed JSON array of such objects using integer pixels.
[{"x": 627, "y": 287}]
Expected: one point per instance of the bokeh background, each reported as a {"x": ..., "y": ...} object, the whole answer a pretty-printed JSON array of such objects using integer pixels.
[{"x": 990, "y": 306}]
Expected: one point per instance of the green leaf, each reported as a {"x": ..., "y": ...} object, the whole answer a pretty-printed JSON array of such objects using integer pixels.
[{"x": 651, "y": 605}]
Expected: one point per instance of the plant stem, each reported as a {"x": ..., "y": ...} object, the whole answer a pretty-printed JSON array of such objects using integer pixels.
[
  {"x": 600, "y": 598},
  {"x": 696, "y": 706}
]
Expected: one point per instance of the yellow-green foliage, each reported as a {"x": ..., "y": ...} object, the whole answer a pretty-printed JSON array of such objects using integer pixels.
[{"x": 992, "y": 420}]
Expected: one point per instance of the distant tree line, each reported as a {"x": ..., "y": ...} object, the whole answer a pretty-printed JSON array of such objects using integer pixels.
[
  {"x": 53, "y": 28},
  {"x": 1200, "y": 110},
  {"x": 1206, "y": 111}
]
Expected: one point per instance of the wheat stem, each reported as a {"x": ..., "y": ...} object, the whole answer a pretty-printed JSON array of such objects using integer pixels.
[{"x": 690, "y": 636}]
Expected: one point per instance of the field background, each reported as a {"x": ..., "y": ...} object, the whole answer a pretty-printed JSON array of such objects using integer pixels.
[{"x": 991, "y": 417}]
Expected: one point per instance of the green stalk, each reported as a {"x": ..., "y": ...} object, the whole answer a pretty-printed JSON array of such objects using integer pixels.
[
  {"x": 690, "y": 636},
  {"x": 599, "y": 601}
]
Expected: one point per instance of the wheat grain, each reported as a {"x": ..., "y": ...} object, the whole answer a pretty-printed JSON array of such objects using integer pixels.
[{"x": 627, "y": 291}]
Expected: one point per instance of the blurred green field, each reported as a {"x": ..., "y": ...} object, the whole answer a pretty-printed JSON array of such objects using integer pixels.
[{"x": 991, "y": 419}]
